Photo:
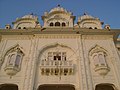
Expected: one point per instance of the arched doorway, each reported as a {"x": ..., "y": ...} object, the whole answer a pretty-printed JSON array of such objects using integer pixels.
[
  {"x": 8, "y": 87},
  {"x": 56, "y": 87},
  {"x": 104, "y": 87}
]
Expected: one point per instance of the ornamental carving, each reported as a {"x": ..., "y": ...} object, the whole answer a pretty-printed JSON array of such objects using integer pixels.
[
  {"x": 99, "y": 57},
  {"x": 57, "y": 60},
  {"x": 14, "y": 57}
]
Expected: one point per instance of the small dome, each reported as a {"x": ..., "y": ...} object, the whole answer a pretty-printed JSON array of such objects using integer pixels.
[
  {"x": 30, "y": 16},
  {"x": 85, "y": 16},
  {"x": 58, "y": 8}
]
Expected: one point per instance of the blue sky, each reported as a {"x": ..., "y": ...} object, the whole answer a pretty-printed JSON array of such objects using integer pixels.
[{"x": 107, "y": 10}]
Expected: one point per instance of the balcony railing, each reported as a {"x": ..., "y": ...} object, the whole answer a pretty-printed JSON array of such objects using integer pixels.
[{"x": 56, "y": 67}]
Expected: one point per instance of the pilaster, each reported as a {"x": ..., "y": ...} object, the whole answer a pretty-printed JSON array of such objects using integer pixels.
[
  {"x": 30, "y": 69},
  {"x": 87, "y": 65},
  {"x": 115, "y": 62},
  {"x": 84, "y": 83}
]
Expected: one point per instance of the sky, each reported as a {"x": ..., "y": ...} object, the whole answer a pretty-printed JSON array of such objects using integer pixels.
[{"x": 108, "y": 11}]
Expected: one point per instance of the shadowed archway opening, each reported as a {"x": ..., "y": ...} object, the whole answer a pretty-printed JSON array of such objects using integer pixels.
[
  {"x": 104, "y": 87},
  {"x": 8, "y": 87},
  {"x": 56, "y": 87},
  {"x": 57, "y": 24}
]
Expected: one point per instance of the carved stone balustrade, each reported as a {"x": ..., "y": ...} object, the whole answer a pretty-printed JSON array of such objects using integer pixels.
[{"x": 56, "y": 67}]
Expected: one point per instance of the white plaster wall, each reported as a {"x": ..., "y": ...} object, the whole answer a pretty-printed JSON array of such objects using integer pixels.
[
  {"x": 106, "y": 43},
  {"x": 69, "y": 79},
  {"x": 84, "y": 78}
]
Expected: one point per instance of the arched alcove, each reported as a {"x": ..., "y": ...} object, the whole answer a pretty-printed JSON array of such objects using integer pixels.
[
  {"x": 52, "y": 56},
  {"x": 8, "y": 87},
  {"x": 54, "y": 62},
  {"x": 57, "y": 24},
  {"x": 56, "y": 87},
  {"x": 13, "y": 58},
  {"x": 99, "y": 58},
  {"x": 105, "y": 87}
]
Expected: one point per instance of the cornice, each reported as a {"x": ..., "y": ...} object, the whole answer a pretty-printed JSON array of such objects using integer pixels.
[
  {"x": 57, "y": 36},
  {"x": 78, "y": 31}
]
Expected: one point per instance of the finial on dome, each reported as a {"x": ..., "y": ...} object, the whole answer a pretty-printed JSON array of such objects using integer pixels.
[
  {"x": 58, "y": 5},
  {"x": 85, "y": 13},
  {"x": 31, "y": 14}
]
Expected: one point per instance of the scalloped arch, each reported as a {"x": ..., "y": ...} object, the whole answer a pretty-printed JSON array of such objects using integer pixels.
[
  {"x": 97, "y": 48},
  {"x": 11, "y": 49},
  {"x": 51, "y": 46}
]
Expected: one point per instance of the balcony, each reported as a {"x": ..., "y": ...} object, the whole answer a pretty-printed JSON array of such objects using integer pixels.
[{"x": 56, "y": 67}]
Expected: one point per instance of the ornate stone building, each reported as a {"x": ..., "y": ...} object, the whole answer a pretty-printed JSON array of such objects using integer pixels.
[{"x": 59, "y": 55}]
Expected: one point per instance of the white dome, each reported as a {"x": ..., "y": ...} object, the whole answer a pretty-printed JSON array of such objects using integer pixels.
[
  {"x": 58, "y": 9},
  {"x": 86, "y": 17},
  {"x": 30, "y": 16}
]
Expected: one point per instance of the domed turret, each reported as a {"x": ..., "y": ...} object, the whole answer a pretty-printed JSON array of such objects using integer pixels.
[
  {"x": 58, "y": 17},
  {"x": 88, "y": 21},
  {"x": 85, "y": 16},
  {"x": 27, "y": 21},
  {"x": 58, "y": 9}
]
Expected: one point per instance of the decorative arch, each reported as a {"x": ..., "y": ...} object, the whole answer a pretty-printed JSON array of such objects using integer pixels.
[
  {"x": 56, "y": 55},
  {"x": 99, "y": 57},
  {"x": 52, "y": 46},
  {"x": 13, "y": 48},
  {"x": 17, "y": 26},
  {"x": 13, "y": 56},
  {"x": 96, "y": 49}
]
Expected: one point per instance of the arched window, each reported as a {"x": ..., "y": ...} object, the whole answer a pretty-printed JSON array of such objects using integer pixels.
[
  {"x": 24, "y": 27},
  {"x": 95, "y": 27},
  {"x": 90, "y": 27},
  {"x": 51, "y": 24},
  {"x": 63, "y": 24},
  {"x": 17, "y": 61},
  {"x": 19, "y": 27},
  {"x": 11, "y": 59},
  {"x": 14, "y": 59},
  {"x": 96, "y": 60},
  {"x": 102, "y": 59},
  {"x": 99, "y": 59},
  {"x": 7, "y": 27},
  {"x": 57, "y": 24}
]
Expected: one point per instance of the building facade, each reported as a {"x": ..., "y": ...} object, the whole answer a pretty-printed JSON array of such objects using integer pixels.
[{"x": 60, "y": 54}]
